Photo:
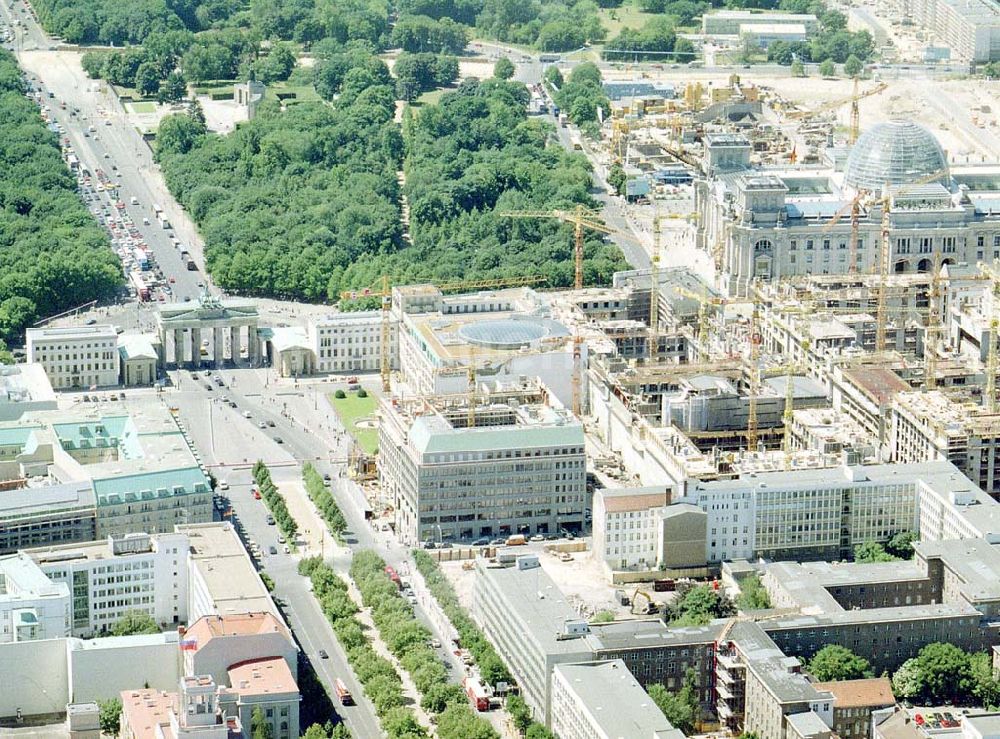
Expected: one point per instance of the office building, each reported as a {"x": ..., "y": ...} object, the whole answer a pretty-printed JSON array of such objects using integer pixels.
[
  {"x": 854, "y": 701},
  {"x": 352, "y": 342},
  {"x": 519, "y": 469},
  {"x": 130, "y": 460},
  {"x": 526, "y": 617},
  {"x": 47, "y": 514},
  {"x": 268, "y": 684},
  {"x": 601, "y": 700},
  {"x": 78, "y": 357},
  {"x": 138, "y": 358},
  {"x": 31, "y": 606},
  {"x": 216, "y": 643},
  {"x": 222, "y": 579},
  {"x": 134, "y": 572},
  {"x": 929, "y": 426}
]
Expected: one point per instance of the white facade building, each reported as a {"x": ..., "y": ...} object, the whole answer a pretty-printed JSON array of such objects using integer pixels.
[
  {"x": 31, "y": 606},
  {"x": 75, "y": 357},
  {"x": 351, "y": 342},
  {"x": 135, "y": 572}
]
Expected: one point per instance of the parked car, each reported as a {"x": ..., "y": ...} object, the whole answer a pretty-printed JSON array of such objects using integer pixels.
[
  {"x": 322, "y": 654},
  {"x": 270, "y": 520},
  {"x": 272, "y": 549}
]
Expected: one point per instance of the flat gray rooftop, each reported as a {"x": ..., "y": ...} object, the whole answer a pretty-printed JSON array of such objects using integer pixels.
[
  {"x": 770, "y": 665},
  {"x": 651, "y": 634},
  {"x": 615, "y": 700},
  {"x": 975, "y": 561}
]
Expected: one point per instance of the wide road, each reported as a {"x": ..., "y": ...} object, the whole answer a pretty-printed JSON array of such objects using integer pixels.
[
  {"x": 114, "y": 141},
  {"x": 229, "y": 443}
]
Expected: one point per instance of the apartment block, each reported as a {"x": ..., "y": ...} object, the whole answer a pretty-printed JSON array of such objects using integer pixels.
[
  {"x": 854, "y": 701},
  {"x": 929, "y": 426},
  {"x": 32, "y": 516},
  {"x": 134, "y": 572},
  {"x": 520, "y": 468},
  {"x": 77, "y": 357}
]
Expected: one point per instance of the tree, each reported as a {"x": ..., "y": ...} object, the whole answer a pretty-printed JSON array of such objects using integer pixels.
[
  {"x": 147, "y": 79},
  {"x": 339, "y": 394},
  {"x": 173, "y": 89},
  {"x": 853, "y": 67},
  {"x": 316, "y": 731},
  {"x": 753, "y": 596},
  {"x": 986, "y": 687},
  {"x": 871, "y": 551},
  {"x": 110, "y": 716},
  {"x": 537, "y": 731},
  {"x": 519, "y": 712},
  {"x": 603, "y": 617},
  {"x": 260, "y": 727},
  {"x": 134, "y": 622},
  {"x": 834, "y": 662},
  {"x": 827, "y": 68},
  {"x": 699, "y": 604},
  {"x": 901, "y": 545},
  {"x": 798, "y": 68},
  {"x": 939, "y": 673},
  {"x": 439, "y": 695},
  {"x": 504, "y": 68},
  {"x": 617, "y": 178},
  {"x": 177, "y": 134},
  {"x": 681, "y": 708}
]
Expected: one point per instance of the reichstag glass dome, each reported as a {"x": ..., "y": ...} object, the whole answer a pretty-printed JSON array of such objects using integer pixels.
[{"x": 897, "y": 153}]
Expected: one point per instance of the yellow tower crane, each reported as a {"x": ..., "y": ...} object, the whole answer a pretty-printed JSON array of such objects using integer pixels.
[
  {"x": 755, "y": 341},
  {"x": 581, "y": 218},
  {"x": 704, "y": 301},
  {"x": 383, "y": 290}
]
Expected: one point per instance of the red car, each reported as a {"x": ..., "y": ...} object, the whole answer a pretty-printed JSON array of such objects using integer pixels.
[{"x": 256, "y": 494}]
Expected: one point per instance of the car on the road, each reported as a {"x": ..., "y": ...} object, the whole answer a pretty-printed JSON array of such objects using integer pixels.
[
  {"x": 552, "y": 537},
  {"x": 247, "y": 414},
  {"x": 499, "y": 542},
  {"x": 270, "y": 520},
  {"x": 322, "y": 654},
  {"x": 272, "y": 549},
  {"x": 286, "y": 549},
  {"x": 281, "y": 539},
  {"x": 261, "y": 425},
  {"x": 270, "y": 424},
  {"x": 194, "y": 375},
  {"x": 223, "y": 485},
  {"x": 436, "y": 643},
  {"x": 537, "y": 537},
  {"x": 256, "y": 494},
  {"x": 481, "y": 542},
  {"x": 278, "y": 440},
  {"x": 208, "y": 386}
]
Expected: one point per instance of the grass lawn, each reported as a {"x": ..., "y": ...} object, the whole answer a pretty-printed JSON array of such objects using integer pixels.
[
  {"x": 430, "y": 97},
  {"x": 143, "y": 107},
  {"x": 349, "y": 411},
  {"x": 627, "y": 16}
]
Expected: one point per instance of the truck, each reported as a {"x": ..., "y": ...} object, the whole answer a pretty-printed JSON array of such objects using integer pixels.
[
  {"x": 393, "y": 575},
  {"x": 141, "y": 258},
  {"x": 478, "y": 696},
  {"x": 164, "y": 223},
  {"x": 343, "y": 694},
  {"x": 141, "y": 289}
]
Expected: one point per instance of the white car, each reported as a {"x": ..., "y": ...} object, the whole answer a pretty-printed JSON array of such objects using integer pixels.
[{"x": 223, "y": 485}]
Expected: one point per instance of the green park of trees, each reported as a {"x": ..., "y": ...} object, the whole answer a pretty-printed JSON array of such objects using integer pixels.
[{"x": 53, "y": 255}]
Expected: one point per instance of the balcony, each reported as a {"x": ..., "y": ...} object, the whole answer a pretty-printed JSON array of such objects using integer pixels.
[{"x": 729, "y": 660}]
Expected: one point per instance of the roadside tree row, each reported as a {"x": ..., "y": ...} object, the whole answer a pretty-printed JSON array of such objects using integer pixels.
[
  {"x": 275, "y": 503},
  {"x": 324, "y": 501}
]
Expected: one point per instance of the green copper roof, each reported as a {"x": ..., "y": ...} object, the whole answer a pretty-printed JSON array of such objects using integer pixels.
[{"x": 150, "y": 486}]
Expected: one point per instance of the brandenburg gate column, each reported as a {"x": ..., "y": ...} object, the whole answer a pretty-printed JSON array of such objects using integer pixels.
[
  {"x": 234, "y": 344},
  {"x": 178, "y": 346},
  {"x": 195, "y": 347}
]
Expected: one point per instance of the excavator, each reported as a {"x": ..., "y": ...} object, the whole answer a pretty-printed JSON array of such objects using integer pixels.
[{"x": 648, "y": 609}]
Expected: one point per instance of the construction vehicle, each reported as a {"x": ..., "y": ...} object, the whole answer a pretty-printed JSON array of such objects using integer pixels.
[{"x": 650, "y": 608}]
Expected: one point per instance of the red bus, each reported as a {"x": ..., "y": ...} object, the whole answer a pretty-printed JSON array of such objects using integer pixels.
[{"x": 343, "y": 694}]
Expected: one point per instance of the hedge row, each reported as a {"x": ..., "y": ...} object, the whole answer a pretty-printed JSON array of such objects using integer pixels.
[
  {"x": 408, "y": 640},
  {"x": 324, "y": 501},
  {"x": 379, "y": 678},
  {"x": 275, "y": 503}
]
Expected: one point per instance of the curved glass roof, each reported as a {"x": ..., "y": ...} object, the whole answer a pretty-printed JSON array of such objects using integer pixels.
[
  {"x": 504, "y": 333},
  {"x": 894, "y": 153}
]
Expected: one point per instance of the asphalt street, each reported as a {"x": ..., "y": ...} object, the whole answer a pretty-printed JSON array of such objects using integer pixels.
[{"x": 229, "y": 443}]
